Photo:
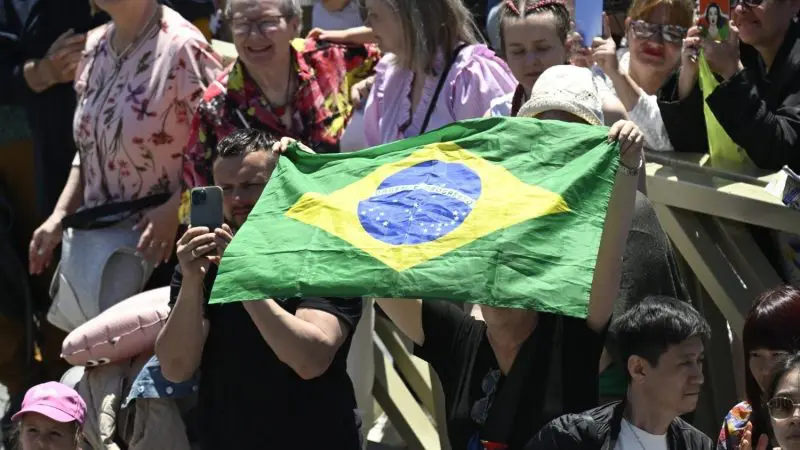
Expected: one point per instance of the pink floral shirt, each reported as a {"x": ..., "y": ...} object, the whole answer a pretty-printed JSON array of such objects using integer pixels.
[{"x": 134, "y": 111}]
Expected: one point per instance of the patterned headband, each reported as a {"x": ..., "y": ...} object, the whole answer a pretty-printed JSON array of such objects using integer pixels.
[{"x": 511, "y": 4}]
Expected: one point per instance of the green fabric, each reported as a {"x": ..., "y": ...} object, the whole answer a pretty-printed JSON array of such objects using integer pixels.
[
  {"x": 725, "y": 154},
  {"x": 15, "y": 126},
  {"x": 613, "y": 382},
  {"x": 527, "y": 239}
]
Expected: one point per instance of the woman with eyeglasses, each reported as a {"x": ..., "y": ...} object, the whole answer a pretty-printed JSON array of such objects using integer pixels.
[
  {"x": 654, "y": 33},
  {"x": 770, "y": 333},
  {"x": 783, "y": 403},
  {"x": 284, "y": 86},
  {"x": 757, "y": 102}
]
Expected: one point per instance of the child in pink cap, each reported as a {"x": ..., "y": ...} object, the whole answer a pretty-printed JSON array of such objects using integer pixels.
[{"x": 51, "y": 418}]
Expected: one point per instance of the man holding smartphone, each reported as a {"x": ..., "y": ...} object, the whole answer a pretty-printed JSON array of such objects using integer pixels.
[{"x": 273, "y": 371}]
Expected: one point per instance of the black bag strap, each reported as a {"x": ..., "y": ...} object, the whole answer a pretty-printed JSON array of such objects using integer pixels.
[
  {"x": 439, "y": 88},
  {"x": 503, "y": 411},
  {"x": 104, "y": 216}
]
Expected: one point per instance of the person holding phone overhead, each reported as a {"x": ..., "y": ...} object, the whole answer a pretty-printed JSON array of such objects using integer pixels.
[
  {"x": 273, "y": 370},
  {"x": 655, "y": 30}
]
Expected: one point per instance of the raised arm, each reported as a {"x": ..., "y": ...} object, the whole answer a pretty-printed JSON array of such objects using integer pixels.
[{"x": 608, "y": 269}]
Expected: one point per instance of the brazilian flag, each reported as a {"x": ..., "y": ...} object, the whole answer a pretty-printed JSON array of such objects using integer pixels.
[{"x": 503, "y": 212}]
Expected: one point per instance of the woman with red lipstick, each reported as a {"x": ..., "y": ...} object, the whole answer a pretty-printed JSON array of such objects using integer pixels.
[
  {"x": 770, "y": 332},
  {"x": 654, "y": 32}
]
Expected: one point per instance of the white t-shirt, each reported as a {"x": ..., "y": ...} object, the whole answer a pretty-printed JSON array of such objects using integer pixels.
[
  {"x": 348, "y": 17},
  {"x": 634, "y": 438}
]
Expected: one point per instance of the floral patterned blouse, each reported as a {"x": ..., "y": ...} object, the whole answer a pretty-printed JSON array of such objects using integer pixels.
[
  {"x": 134, "y": 110},
  {"x": 321, "y": 105},
  {"x": 733, "y": 427}
]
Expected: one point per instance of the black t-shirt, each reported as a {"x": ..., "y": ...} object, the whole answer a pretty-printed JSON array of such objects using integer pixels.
[
  {"x": 249, "y": 399},
  {"x": 457, "y": 347}
]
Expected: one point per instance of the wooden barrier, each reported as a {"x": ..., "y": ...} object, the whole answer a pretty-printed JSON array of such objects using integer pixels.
[{"x": 706, "y": 212}]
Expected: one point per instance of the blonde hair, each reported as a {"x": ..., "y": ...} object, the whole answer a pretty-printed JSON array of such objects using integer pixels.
[
  {"x": 431, "y": 26},
  {"x": 16, "y": 430},
  {"x": 681, "y": 12}
]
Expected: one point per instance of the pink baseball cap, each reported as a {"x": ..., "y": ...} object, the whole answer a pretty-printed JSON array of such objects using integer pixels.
[{"x": 55, "y": 401}]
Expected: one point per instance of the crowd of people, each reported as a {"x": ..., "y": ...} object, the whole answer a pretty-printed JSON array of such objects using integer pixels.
[{"x": 129, "y": 108}]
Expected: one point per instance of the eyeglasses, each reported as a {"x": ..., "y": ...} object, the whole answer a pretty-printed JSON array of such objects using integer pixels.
[
  {"x": 750, "y": 3},
  {"x": 264, "y": 25},
  {"x": 672, "y": 34},
  {"x": 782, "y": 407}
]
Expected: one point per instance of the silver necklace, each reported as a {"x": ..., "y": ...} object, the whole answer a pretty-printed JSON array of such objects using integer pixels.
[{"x": 136, "y": 40}]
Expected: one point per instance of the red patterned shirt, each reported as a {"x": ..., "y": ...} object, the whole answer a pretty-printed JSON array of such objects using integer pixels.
[{"x": 321, "y": 106}]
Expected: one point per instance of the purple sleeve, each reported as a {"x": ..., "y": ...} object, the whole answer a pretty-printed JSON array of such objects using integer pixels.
[
  {"x": 372, "y": 110},
  {"x": 482, "y": 78}
]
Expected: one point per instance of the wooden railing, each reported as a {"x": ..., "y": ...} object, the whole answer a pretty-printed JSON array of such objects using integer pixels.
[{"x": 709, "y": 214}]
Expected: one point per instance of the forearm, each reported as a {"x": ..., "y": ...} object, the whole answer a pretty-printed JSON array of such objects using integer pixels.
[
  {"x": 608, "y": 269},
  {"x": 358, "y": 35},
  {"x": 179, "y": 346},
  {"x": 628, "y": 91},
  {"x": 687, "y": 79},
  {"x": 71, "y": 196},
  {"x": 298, "y": 344}
]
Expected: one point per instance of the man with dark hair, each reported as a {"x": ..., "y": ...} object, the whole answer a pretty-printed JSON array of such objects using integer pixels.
[
  {"x": 660, "y": 342},
  {"x": 273, "y": 370}
]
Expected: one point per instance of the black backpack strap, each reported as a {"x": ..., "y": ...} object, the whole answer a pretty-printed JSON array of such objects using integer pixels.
[
  {"x": 439, "y": 87},
  {"x": 104, "y": 216},
  {"x": 503, "y": 411}
]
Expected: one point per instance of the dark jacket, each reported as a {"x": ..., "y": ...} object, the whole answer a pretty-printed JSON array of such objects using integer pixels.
[
  {"x": 599, "y": 428},
  {"x": 25, "y": 35},
  {"x": 759, "y": 110}
]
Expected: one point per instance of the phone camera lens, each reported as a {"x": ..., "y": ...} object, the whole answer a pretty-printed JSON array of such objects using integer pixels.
[{"x": 200, "y": 197}]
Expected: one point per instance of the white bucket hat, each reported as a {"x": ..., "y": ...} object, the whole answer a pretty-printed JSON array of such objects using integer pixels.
[{"x": 566, "y": 88}]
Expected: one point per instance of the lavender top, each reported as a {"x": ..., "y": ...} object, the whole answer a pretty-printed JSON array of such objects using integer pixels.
[{"x": 476, "y": 78}]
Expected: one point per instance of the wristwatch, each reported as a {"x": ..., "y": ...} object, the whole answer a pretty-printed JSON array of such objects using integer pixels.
[{"x": 631, "y": 171}]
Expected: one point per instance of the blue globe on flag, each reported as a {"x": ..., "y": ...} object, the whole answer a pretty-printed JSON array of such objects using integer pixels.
[{"x": 421, "y": 203}]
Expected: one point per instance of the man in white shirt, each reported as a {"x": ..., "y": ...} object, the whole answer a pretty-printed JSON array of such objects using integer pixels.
[{"x": 659, "y": 342}]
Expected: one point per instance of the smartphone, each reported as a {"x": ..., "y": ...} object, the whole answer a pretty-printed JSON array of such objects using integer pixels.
[
  {"x": 589, "y": 20},
  {"x": 715, "y": 19},
  {"x": 206, "y": 207}
]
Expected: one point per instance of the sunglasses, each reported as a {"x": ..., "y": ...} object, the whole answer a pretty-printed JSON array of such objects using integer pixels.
[
  {"x": 782, "y": 407},
  {"x": 671, "y": 34}
]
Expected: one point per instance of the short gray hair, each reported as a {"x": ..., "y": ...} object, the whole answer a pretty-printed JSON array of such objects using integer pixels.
[
  {"x": 288, "y": 8},
  {"x": 430, "y": 27}
]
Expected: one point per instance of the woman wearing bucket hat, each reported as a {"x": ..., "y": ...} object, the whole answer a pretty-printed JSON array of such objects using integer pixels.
[
  {"x": 649, "y": 264},
  {"x": 51, "y": 418}
]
